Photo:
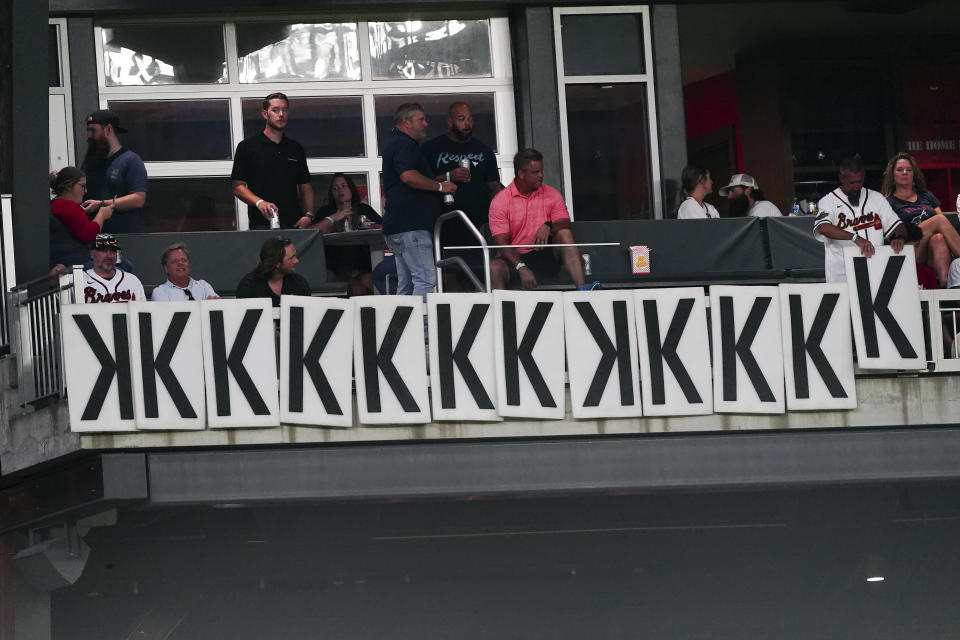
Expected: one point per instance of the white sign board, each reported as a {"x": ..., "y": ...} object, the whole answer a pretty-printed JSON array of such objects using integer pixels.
[
  {"x": 528, "y": 333},
  {"x": 462, "y": 367},
  {"x": 241, "y": 356},
  {"x": 674, "y": 345},
  {"x": 316, "y": 361},
  {"x": 817, "y": 346},
  {"x": 747, "y": 361},
  {"x": 166, "y": 359},
  {"x": 601, "y": 343},
  {"x": 885, "y": 305},
  {"x": 390, "y": 361}
]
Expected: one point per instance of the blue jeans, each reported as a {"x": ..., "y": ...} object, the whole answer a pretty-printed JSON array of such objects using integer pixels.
[{"x": 416, "y": 269}]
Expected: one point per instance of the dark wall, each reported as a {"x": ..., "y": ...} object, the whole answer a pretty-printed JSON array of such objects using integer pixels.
[
  {"x": 6, "y": 98},
  {"x": 83, "y": 79},
  {"x": 669, "y": 89}
]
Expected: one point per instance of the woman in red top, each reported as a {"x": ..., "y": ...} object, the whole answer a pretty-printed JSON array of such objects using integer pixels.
[{"x": 71, "y": 229}]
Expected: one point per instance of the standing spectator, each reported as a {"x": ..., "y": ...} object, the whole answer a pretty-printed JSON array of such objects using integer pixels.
[
  {"x": 906, "y": 190},
  {"x": 115, "y": 175},
  {"x": 276, "y": 273},
  {"x": 270, "y": 172},
  {"x": 476, "y": 185},
  {"x": 71, "y": 231},
  {"x": 745, "y": 198},
  {"x": 343, "y": 211},
  {"x": 105, "y": 282},
  {"x": 697, "y": 184},
  {"x": 175, "y": 262},
  {"x": 852, "y": 213},
  {"x": 412, "y": 201}
]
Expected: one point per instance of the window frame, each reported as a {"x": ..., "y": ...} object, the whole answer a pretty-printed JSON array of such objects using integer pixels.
[
  {"x": 500, "y": 84},
  {"x": 64, "y": 89},
  {"x": 647, "y": 79}
]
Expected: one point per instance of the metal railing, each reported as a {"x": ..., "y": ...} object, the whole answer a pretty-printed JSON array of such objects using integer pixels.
[
  {"x": 943, "y": 320},
  {"x": 36, "y": 338},
  {"x": 460, "y": 262}
]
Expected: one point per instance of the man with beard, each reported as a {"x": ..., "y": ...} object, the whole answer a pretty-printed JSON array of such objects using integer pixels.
[
  {"x": 175, "y": 262},
  {"x": 412, "y": 201},
  {"x": 476, "y": 185},
  {"x": 105, "y": 282},
  {"x": 852, "y": 213},
  {"x": 115, "y": 175},
  {"x": 270, "y": 172},
  {"x": 745, "y": 198},
  {"x": 276, "y": 273}
]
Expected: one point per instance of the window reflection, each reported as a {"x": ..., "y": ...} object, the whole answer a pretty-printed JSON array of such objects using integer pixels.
[
  {"x": 53, "y": 56},
  {"x": 326, "y": 127},
  {"x": 435, "y": 107},
  {"x": 279, "y": 51},
  {"x": 417, "y": 49},
  {"x": 189, "y": 204},
  {"x": 161, "y": 130},
  {"x": 137, "y": 54}
]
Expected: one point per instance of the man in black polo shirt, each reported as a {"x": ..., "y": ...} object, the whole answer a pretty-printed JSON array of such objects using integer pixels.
[
  {"x": 270, "y": 172},
  {"x": 413, "y": 201}
]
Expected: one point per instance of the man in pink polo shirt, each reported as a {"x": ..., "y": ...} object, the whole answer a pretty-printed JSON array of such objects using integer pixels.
[{"x": 530, "y": 212}]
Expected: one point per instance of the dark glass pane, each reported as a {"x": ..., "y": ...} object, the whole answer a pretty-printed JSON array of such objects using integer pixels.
[
  {"x": 326, "y": 127},
  {"x": 149, "y": 54},
  {"x": 271, "y": 52},
  {"x": 417, "y": 49},
  {"x": 609, "y": 151},
  {"x": 176, "y": 129},
  {"x": 435, "y": 106},
  {"x": 321, "y": 185},
  {"x": 188, "y": 204},
  {"x": 602, "y": 44},
  {"x": 53, "y": 56}
]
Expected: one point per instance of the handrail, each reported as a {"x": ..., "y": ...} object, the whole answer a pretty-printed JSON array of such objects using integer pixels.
[{"x": 476, "y": 233}]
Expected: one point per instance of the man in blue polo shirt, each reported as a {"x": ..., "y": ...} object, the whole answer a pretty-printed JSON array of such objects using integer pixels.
[
  {"x": 116, "y": 176},
  {"x": 270, "y": 172},
  {"x": 413, "y": 201}
]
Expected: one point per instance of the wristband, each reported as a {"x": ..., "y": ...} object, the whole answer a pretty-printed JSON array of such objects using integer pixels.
[
  {"x": 332, "y": 221},
  {"x": 448, "y": 176},
  {"x": 307, "y": 214},
  {"x": 257, "y": 203},
  {"x": 519, "y": 265},
  {"x": 439, "y": 186},
  {"x": 853, "y": 238}
]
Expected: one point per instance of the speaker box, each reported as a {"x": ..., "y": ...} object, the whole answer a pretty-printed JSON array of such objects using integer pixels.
[{"x": 48, "y": 565}]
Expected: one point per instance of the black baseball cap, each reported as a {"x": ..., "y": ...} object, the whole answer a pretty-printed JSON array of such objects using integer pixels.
[
  {"x": 103, "y": 117},
  {"x": 104, "y": 241}
]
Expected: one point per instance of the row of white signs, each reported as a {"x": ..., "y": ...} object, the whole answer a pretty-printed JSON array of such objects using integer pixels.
[{"x": 192, "y": 365}]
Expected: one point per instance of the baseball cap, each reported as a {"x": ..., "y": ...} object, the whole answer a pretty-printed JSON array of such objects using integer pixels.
[
  {"x": 104, "y": 241},
  {"x": 104, "y": 117},
  {"x": 739, "y": 180}
]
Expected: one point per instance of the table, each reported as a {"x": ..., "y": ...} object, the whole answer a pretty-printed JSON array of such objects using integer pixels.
[{"x": 372, "y": 238}]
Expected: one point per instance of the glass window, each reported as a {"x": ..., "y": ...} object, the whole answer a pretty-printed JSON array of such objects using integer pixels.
[
  {"x": 188, "y": 204},
  {"x": 141, "y": 54},
  {"x": 176, "y": 129},
  {"x": 326, "y": 127},
  {"x": 435, "y": 107},
  {"x": 270, "y": 52},
  {"x": 53, "y": 56},
  {"x": 417, "y": 49},
  {"x": 321, "y": 186},
  {"x": 609, "y": 151},
  {"x": 602, "y": 44}
]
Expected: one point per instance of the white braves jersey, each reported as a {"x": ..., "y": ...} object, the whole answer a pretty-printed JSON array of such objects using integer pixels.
[
  {"x": 764, "y": 209},
  {"x": 690, "y": 209},
  {"x": 122, "y": 287},
  {"x": 872, "y": 219}
]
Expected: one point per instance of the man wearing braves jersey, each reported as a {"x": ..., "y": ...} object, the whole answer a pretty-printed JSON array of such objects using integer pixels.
[
  {"x": 105, "y": 282},
  {"x": 854, "y": 214}
]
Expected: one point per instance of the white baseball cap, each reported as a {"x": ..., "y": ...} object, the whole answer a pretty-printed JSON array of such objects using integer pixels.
[{"x": 739, "y": 180}]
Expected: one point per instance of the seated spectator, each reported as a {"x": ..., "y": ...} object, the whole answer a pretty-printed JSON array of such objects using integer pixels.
[
  {"x": 745, "y": 198},
  {"x": 530, "y": 212},
  {"x": 175, "y": 262},
  {"x": 697, "y": 184},
  {"x": 344, "y": 211},
  {"x": 105, "y": 282},
  {"x": 276, "y": 273},
  {"x": 71, "y": 229}
]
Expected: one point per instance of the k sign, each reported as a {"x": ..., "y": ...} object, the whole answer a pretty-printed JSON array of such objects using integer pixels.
[
  {"x": 602, "y": 354},
  {"x": 817, "y": 346},
  {"x": 96, "y": 354},
  {"x": 316, "y": 361},
  {"x": 528, "y": 332},
  {"x": 239, "y": 347},
  {"x": 462, "y": 366},
  {"x": 747, "y": 361},
  {"x": 167, "y": 365},
  {"x": 885, "y": 305}
]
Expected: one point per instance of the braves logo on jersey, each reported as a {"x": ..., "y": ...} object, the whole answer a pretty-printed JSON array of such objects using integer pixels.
[
  {"x": 857, "y": 223},
  {"x": 92, "y": 295}
]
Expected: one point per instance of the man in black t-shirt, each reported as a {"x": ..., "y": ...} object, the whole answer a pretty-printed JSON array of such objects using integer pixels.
[
  {"x": 270, "y": 172},
  {"x": 276, "y": 273}
]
